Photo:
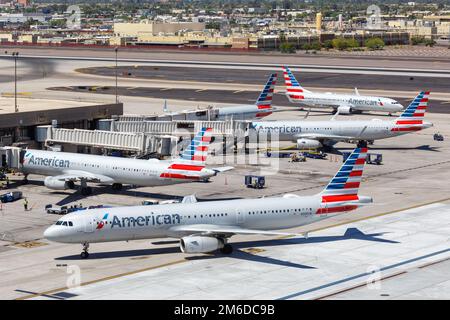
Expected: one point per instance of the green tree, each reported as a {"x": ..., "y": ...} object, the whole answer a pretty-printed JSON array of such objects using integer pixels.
[
  {"x": 316, "y": 46},
  {"x": 339, "y": 43},
  {"x": 375, "y": 43},
  {"x": 287, "y": 47},
  {"x": 352, "y": 43},
  {"x": 328, "y": 44}
]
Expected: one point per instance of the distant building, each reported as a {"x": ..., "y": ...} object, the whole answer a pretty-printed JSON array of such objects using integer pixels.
[
  {"x": 155, "y": 28},
  {"x": 319, "y": 21}
]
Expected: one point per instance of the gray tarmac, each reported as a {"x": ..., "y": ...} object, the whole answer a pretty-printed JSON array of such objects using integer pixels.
[{"x": 307, "y": 79}]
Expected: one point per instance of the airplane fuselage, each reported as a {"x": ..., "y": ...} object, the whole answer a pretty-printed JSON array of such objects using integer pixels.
[
  {"x": 120, "y": 170},
  {"x": 355, "y": 102},
  {"x": 357, "y": 129},
  {"x": 146, "y": 222},
  {"x": 244, "y": 112}
]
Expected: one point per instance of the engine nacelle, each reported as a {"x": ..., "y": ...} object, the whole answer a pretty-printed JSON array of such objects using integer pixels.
[
  {"x": 345, "y": 110},
  {"x": 198, "y": 244},
  {"x": 55, "y": 184},
  {"x": 308, "y": 144}
]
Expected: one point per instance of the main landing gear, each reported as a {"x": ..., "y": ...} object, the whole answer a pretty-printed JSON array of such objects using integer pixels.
[
  {"x": 362, "y": 144},
  {"x": 227, "y": 248},
  {"x": 85, "y": 190},
  {"x": 85, "y": 254},
  {"x": 117, "y": 186}
]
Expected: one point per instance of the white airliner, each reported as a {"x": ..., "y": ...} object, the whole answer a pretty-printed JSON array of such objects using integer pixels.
[
  {"x": 64, "y": 169},
  {"x": 344, "y": 103},
  {"x": 207, "y": 226},
  {"x": 315, "y": 134},
  {"x": 261, "y": 108}
]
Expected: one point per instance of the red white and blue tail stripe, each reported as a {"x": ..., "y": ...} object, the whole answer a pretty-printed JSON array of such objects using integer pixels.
[
  {"x": 192, "y": 161},
  {"x": 197, "y": 151},
  {"x": 342, "y": 190},
  {"x": 412, "y": 118},
  {"x": 264, "y": 100},
  {"x": 293, "y": 88}
]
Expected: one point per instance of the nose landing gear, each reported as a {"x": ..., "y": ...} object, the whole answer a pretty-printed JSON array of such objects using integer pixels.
[{"x": 85, "y": 254}]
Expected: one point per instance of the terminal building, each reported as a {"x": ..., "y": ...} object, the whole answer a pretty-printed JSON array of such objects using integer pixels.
[{"x": 20, "y": 127}]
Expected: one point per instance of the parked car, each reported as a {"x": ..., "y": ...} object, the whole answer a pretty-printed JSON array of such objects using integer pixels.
[{"x": 11, "y": 196}]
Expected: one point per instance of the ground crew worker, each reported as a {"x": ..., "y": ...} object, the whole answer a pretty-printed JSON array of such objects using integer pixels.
[{"x": 25, "y": 204}]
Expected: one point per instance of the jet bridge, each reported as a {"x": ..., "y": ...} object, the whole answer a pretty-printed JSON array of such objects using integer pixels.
[
  {"x": 12, "y": 157},
  {"x": 176, "y": 128},
  {"x": 137, "y": 142}
]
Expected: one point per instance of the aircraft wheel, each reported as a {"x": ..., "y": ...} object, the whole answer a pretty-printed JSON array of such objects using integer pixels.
[
  {"x": 117, "y": 186},
  {"x": 86, "y": 191},
  {"x": 84, "y": 255},
  {"x": 227, "y": 249},
  {"x": 71, "y": 184}
]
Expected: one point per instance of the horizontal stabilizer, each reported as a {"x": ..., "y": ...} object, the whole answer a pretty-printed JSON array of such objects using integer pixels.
[{"x": 222, "y": 169}]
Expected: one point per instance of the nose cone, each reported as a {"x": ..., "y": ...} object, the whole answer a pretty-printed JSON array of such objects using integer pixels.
[
  {"x": 427, "y": 124},
  {"x": 51, "y": 234}
]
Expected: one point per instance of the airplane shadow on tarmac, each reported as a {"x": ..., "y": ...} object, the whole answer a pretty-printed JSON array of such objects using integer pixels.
[
  {"x": 239, "y": 253},
  {"x": 77, "y": 196}
]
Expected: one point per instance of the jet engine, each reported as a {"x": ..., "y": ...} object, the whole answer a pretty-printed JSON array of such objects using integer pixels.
[
  {"x": 345, "y": 110},
  {"x": 55, "y": 184},
  {"x": 308, "y": 144},
  {"x": 199, "y": 244}
]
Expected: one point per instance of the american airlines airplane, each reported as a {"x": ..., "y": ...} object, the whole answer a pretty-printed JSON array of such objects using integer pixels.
[
  {"x": 260, "y": 109},
  {"x": 342, "y": 103},
  {"x": 315, "y": 134},
  {"x": 206, "y": 226},
  {"x": 64, "y": 169}
]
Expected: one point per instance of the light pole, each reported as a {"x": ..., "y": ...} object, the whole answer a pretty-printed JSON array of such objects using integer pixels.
[
  {"x": 15, "y": 56},
  {"x": 116, "y": 49}
]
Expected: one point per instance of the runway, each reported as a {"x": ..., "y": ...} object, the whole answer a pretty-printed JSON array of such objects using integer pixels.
[
  {"x": 357, "y": 255},
  {"x": 325, "y": 78}
]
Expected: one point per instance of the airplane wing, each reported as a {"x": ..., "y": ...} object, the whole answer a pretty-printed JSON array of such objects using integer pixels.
[
  {"x": 208, "y": 229},
  {"x": 322, "y": 136},
  {"x": 76, "y": 175}
]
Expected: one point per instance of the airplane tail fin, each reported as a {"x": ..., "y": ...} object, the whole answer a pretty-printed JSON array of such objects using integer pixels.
[
  {"x": 341, "y": 193},
  {"x": 197, "y": 151},
  {"x": 264, "y": 100},
  {"x": 412, "y": 117},
  {"x": 293, "y": 88}
]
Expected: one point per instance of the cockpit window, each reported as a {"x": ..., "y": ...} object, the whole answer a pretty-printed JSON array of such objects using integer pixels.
[{"x": 64, "y": 223}]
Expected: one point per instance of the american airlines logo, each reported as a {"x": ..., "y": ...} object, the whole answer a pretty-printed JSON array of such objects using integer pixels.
[
  {"x": 280, "y": 129},
  {"x": 47, "y": 162},
  {"x": 362, "y": 101},
  {"x": 144, "y": 221}
]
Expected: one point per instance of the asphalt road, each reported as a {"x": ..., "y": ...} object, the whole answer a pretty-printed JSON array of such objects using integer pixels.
[
  {"x": 308, "y": 79},
  {"x": 216, "y": 96}
]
